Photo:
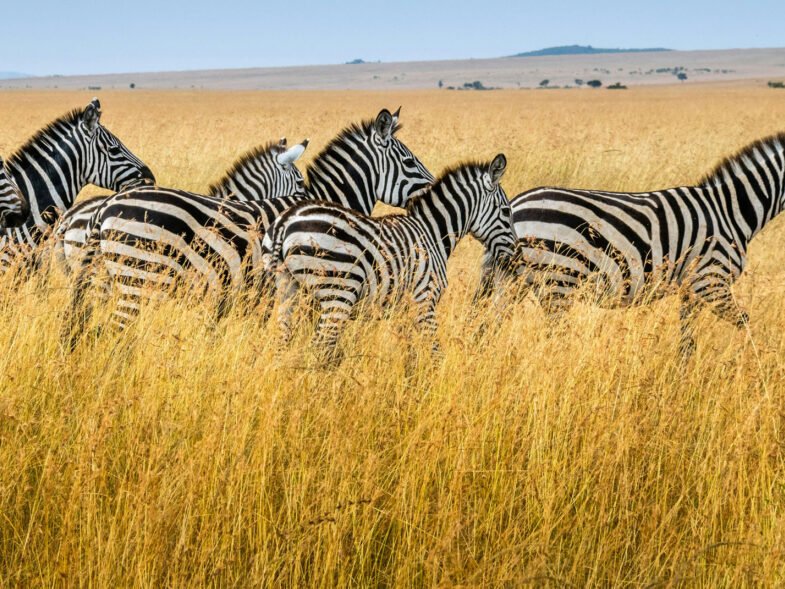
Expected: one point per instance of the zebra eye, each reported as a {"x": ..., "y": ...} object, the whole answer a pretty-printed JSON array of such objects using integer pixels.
[{"x": 408, "y": 161}]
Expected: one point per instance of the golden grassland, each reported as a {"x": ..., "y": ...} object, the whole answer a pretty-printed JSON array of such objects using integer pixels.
[{"x": 183, "y": 454}]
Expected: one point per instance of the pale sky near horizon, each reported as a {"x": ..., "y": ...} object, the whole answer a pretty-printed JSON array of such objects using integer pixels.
[{"x": 41, "y": 37}]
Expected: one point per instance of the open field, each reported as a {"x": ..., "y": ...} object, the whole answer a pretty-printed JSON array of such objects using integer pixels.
[
  {"x": 178, "y": 454},
  {"x": 633, "y": 69}
]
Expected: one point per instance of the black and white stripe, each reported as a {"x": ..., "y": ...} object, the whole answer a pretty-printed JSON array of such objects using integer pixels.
[
  {"x": 14, "y": 208},
  {"x": 640, "y": 246},
  {"x": 363, "y": 164},
  {"x": 268, "y": 171},
  {"x": 341, "y": 257},
  {"x": 56, "y": 163},
  {"x": 263, "y": 173}
]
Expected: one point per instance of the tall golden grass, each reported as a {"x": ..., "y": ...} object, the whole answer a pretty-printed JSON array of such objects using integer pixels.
[{"x": 180, "y": 453}]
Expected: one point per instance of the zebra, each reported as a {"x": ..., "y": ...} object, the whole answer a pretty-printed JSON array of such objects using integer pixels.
[
  {"x": 14, "y": 207},
  {"x": 341, "y": 256},
  {"x": 55, "y": 164},
  {"x": 690, "y": 240},
  {"x": 154, "y": 236},
  {"x": 267, "y": 171}
]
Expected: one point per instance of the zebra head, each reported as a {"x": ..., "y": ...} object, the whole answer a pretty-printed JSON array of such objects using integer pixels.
[
  {"x": 14, "y": 207},
  {"x": 492, "y": 224},
  {"x": 264, "y": 172},
  {"x": 108, "y": 163},
  {"x": 399, "y": 174}
]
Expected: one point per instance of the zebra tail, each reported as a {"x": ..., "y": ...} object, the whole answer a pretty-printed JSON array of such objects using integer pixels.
[{"x": 272, "y": 250}]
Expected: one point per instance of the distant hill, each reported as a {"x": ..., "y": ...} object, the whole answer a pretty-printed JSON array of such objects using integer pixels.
[
  {"x": 12, "y": 75},
  {"x": 757, "y": 66},
  {"x": 583, "y": 50}
]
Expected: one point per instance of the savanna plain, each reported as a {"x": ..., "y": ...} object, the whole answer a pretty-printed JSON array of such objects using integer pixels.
[{"x": 183, "y": 453}]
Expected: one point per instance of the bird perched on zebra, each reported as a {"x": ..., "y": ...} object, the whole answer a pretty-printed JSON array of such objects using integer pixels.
[
  {"x": 55, "y": 164},
  {"x": 640, "y": 246},
  {"x": 13, "y": 204},
  {"x": 341, "y": 257},
  {"x": 267, "y": 171},
  {"x": 153, "y": 237}
]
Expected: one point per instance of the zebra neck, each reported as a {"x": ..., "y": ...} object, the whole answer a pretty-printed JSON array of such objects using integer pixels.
[
  {"x": 348, "y": 183},
  {"x": 748, "y": 189},
  {"x": 443, "y": 219},
  {"x": 747, "y": 202},
  {"x": 50, "y": 174}
]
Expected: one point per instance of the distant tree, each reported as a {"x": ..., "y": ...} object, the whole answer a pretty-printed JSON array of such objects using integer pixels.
[
  {"x": 594, "y": 83},
  {"x": 441, "y": 84},
  {"x": 578, "y": 82},
  {"x": 617, "y": 86},
  {"x": 132, "y": 85},
  {"x": 544, "y": 83},
  {"x": 776, "y": 84},
  {"x": 682, "y": 76}
]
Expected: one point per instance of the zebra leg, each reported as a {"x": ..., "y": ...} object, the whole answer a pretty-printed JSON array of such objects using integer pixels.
[
  {"x": 504, "y": 293},
  {"x": 333, "y": 315},
  {"x": 263, "y": 292},
  {"x": 724, "y": 306},
  {"x": 78, "y": 312},
  {"x": 554, "y": 302},
  {"x": 286, "y": 287},
  {"x": 128, "y": 305},
  {"x": 224, "y": 304},
  {"x": 688, "y": 314},
  {"x": 427, "y": 323}
]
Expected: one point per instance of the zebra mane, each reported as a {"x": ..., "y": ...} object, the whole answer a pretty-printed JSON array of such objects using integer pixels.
[
  {"x": 361, "y": 129},
  {"x": 748, "y": 151},
  {"x": 70, "y": 118},
  {"x": 248, "y": 157},
  {"x": 473, "y": 167}
]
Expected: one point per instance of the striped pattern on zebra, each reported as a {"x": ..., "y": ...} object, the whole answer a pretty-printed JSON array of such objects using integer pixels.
[
  {"x": 14, "y": 208},
  {"x": 363, "y": 164},
  {"x": 268, "y": 171},
  {"x": 56, "y": 163},
  {"x": 341, "y": 256},
  {"x": 263, "y": 172},
  {"x": 639, "y": 246}
]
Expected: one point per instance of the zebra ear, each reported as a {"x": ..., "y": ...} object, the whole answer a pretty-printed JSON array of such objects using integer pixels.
[
  {"x": 384, "y": 124},
  {"x": 496, "y": 168},
  {"x": 282, "y": 142},
  {"x": 292, "y": 154},
  {"x": 91, "y": 117}
]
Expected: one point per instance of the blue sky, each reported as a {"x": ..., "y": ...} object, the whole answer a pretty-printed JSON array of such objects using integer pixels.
[{"x": 81, "y": 36}]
